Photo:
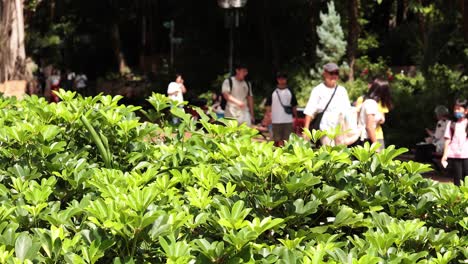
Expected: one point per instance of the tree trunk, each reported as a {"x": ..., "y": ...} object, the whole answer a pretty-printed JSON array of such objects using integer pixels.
[
  {"x": 119, "y": 56},
  {"x": 353, "y": 35},
  {"x": 464, "y": 8},
  {"x": 422, "y": 26},
  {"x": 402, "y": 11},
  {"x": 12, "y": 51},
  {"x": 314, "y": 10},
  {"x": 382, "y": 14}
]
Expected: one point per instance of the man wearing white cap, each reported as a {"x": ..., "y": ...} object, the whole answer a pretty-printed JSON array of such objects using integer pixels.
[{"x": 329, "y": 98}]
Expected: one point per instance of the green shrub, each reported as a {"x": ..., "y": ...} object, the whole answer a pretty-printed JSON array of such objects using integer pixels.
[
  {"x": 151, "y": 193},
  {"x": 415, "y": 99}
]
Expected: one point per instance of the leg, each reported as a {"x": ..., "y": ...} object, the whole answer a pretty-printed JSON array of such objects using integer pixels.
[
  {"x": 465, "y": 169},
  {"x": 455, "y": 170},
  {"x": 277, "y": 134}
]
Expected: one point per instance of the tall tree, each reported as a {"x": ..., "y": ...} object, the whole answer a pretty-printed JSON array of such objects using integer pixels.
[
  {"x": 402, "y": 11},
  {"x": 12, "y": 50},
  {"x": 353, "y": 35},
  {"x": 115, "y": 7},
  {"x": 464, "y": 8},
  {"x": 332, "y": 45}
]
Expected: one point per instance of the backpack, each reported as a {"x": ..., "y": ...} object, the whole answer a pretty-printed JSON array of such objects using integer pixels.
[
  {"x": 452, "y": 128},
  {"x": 223, "y": 100}
]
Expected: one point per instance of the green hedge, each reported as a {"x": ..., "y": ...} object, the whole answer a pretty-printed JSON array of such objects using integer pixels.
[{"x": 86, "y": 181}]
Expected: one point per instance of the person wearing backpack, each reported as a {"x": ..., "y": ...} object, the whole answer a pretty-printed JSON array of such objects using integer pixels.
[
  {"x": 237, "y": 92},
  {"x": 282, "y": 105},
  {"x": 455, "y": 156}
]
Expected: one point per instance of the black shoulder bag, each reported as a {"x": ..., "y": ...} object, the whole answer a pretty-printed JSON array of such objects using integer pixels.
[
  {"x": 318, "y": 117},
  {"x": 287, "y": 108}
]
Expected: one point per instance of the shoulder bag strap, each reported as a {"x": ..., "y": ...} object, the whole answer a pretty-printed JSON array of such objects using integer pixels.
[
  {"x": 279, "y": 98},
  {"x": 336, "y": 88},
  {"x": 249, "y": 86},
  {"x": 230, "y": 84}
]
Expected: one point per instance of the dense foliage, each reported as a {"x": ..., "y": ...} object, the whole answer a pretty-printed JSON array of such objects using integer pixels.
[{"x": 86, "y": 181}]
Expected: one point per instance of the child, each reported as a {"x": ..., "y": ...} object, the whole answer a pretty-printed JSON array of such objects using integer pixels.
[
  {"x": 282, "y": 106},
  {"x": 456, "y": 143}
]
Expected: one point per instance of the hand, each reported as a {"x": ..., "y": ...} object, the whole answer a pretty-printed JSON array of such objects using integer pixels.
[
  {"x": 241, "y": 105},
  {"x": 443, "y": 161},
  {"x": 252, "y": 120}
]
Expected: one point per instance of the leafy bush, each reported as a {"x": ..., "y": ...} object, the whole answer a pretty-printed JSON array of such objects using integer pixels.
[
  {"x": 415, "y": 99},
  {"x": 85, "y": 181}
]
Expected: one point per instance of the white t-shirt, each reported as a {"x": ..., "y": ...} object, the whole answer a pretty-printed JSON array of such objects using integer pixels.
[
  {"x": 71, "y": 76},
  {"x": 438, "y": 138},
  {"x": 240, "y": 90},
  {"x": 278, "y": 115},
  {"x": 318, "y": 100},
  {"x": 173, "y": 87},
  {"x": 81, "y": 81},
  {"x": 369, "y": 107}
]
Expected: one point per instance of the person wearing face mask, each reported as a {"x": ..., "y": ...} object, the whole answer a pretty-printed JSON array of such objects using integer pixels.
[{"x": 455, "y": 156}]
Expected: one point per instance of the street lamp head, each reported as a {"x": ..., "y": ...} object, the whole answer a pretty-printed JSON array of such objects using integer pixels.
[
  {"x": 238, "y": 3},
  {"x": 226, "y": 4}
]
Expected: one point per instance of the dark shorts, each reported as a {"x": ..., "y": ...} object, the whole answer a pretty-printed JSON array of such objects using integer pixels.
[{"x": 282, "y": 131}]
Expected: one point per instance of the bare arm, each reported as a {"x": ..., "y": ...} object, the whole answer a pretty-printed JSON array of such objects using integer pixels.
[
  {"x": 250, "y": 102},
  {"x": 294, "y": 109},
  {"x": 307, "y": 120},
  {"x": 370, "y": 128},
  {"x": 233, "y": 100},
  {"x": 182, "y": 87},
  {"x": 446, "y": 145}
]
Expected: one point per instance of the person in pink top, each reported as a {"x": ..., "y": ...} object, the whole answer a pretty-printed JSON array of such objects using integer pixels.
[{"x": 456, "y": 143}]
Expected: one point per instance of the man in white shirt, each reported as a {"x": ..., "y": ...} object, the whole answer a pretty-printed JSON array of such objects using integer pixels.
[
  {"x": 176, "y": 91},
  {"x": 239, "y": 98},
  {"x": 282, "y": 104},
  {"x": 80, "y": 82},
  {"x": 319, "y": 98}
]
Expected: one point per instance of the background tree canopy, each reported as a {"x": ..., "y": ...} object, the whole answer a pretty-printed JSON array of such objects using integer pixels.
[{"x": 112, "y": 38}]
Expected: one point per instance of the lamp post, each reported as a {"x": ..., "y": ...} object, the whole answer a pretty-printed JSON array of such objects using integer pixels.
[
  {"x": 172, "y": 40},
  {"x": 232, "y": 21}
]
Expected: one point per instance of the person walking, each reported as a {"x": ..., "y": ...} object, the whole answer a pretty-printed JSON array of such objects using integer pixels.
[
  {"x": 237, "y": 92},
  {"x": 327, "y": 102},
  {"x": 455, "y": 156},
  {"x": 382, "y": 109},
  {"x": 175, "y": 91},
  {"x": 282, "y": 106},
  {"x": 81, "y": 83},
  {"x": 370, "y": 116}
]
